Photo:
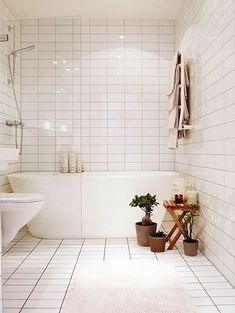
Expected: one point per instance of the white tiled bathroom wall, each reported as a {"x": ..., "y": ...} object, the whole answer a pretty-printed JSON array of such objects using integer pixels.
[
  {"x": 205, "y": 32},
  {"x": 96, "y": 86},
  {"x": 7, "y": 104}
]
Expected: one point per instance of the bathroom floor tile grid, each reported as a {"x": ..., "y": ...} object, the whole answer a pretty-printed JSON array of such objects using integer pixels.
[{"x": 37, "y": 272}]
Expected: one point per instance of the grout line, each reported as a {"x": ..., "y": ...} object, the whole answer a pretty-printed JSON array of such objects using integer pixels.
[
  {"x": 214, "y": 265},
  {"x": 105, "y": 245},
  {"x": 38, "y": 84},
  {"x": 41, "y": 276},
  {"x": 24, "y": 259},
  {"x": 88, "y": 43},
  {"x": 155, "y": 253},
  {"x": 211, "y": 264},
  {"x": 107, "y": 100},
  {"x": 142, "y": 95},
  {"x": 14, "y": 244},
  {"x": 66, "y": 291},
  {"x": 129, "y": 249},
  {"x": 197, "y": 279},
  {"x": 55, "y": 101},
  {"x": 89, "y": 96}
]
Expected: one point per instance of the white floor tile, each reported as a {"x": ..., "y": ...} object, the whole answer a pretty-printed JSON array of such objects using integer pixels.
[
  {"x": 32, "y": 310},
  {"x": 40, "y": 304},
  {"x": 114, "y": 241},
  {"x": 211, "y": 273},
  {"x": 226, "y": 308},
  {"x": 72, "y": 242},
  {"x": 224, "y": 300},
  {"x": 21, "y": 282},
  {"x": 202, "y": 301},
  {"x": 206, "y": 309},
  {"x": 198, "y": 293},
  {"x": 11, "y": 310},
  {"x": 99, "y": 241},
  {"x": 221, "y": 292},
  {"x": 192, "y": 279},
  {"x": 144, "y": 256},
  {"x": 15, "y": 295},
  {"x": 56, "y": 275},
  {"x": 193, "y": 286},
  {"x": 13, "y": 303},
  {"x": 213, "y": 285},
  {"x": 25, "y": 275},
  {"x": 197, "y": 274},
  {"x": 17, "y": 288},
  {"x": 47, "y": 296},
  {"x": 212, "y": 279},
  {"x": 54, "y": 282},
  {"x": 50, "y": 288}
]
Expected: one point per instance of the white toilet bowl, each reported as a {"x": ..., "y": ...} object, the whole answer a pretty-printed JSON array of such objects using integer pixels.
[{"x": 17, "y": 209}]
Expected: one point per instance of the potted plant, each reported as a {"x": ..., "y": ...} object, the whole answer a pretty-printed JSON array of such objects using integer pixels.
[
  {"x": 157, "y": 241},
  {"x": 146, "y": 226},
  {"x": 190, "y": 244}
]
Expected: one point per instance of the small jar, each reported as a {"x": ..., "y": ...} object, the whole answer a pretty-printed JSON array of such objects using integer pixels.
[{"x": 178, "y": 198}]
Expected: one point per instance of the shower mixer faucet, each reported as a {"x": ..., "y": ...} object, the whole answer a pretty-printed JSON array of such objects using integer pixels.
[{"x": 17, "y": 124}]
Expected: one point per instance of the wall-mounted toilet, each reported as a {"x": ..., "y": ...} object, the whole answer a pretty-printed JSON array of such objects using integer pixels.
[{"x": 17, "y": 209}]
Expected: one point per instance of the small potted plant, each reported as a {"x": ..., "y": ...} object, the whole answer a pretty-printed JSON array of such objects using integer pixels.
[
  {"x": 190, "y": 244},
  {"x": 157, "y": 241},
  {"x": 146, "y": 226}
]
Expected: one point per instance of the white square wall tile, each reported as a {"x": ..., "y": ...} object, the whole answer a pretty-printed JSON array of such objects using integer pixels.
[{"x": 103, "y": 72}]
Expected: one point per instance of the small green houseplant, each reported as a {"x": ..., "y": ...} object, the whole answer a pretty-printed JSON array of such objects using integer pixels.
[
  {"x": 190, "y": 244},
  {"x": 146, "y": 226},
  {"x": 157, "y": 241}
]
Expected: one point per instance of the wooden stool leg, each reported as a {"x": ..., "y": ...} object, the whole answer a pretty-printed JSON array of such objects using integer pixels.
[
  {"x": 177, "y": 225},
  {"x": 174, "y": 240},
  {"x": 181, "y": 216},
  {"x": 180, "y": 232}
]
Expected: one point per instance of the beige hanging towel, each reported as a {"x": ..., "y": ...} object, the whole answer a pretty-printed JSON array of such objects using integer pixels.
[{"x": 177, "y": 95}]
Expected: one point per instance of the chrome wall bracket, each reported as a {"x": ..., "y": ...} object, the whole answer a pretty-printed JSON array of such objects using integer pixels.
[
  {"x": 14, "y": 123},
  {"x": 3, "y": 37}
]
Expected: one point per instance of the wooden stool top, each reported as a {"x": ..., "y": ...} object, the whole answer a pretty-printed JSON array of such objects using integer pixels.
[{"x": 171, "y": 205}]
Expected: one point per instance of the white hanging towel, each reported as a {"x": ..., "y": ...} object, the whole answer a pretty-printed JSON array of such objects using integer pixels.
[
  {"x": 177, "y": 94},
  {"x": 184, "y": 110}
]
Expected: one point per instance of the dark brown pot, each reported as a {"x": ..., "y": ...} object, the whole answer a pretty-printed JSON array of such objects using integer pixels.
[
  {"x": 157, "y": 244},
  {"x": 143, "y": 232},
  {"x": 190, "y": 247}
]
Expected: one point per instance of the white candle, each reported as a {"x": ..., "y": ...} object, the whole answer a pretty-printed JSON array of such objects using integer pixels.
[
  {"x": 79, "y": 165},
  {"x": 72, "y": 162},
  {"x": 64, "y": 163},
  {"x": 192, "y": 197}
]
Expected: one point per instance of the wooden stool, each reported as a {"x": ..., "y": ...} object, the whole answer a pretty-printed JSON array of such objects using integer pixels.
[{"x": 171, "y": 208}]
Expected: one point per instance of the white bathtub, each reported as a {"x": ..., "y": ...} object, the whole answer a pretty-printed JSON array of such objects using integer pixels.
[{"x": 92, "y": 204}]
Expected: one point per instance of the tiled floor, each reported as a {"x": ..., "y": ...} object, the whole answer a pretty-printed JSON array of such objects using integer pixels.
[{"x": 37, "y": 272}]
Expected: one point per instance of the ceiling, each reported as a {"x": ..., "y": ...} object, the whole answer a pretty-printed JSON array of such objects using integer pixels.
[{"x": 164, "y": 9}]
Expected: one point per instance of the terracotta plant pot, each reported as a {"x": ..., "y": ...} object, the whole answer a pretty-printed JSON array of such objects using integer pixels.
[
  {"x": 190, "y": 247},
  {"x": 143, "y": 232},
  {"x": 157, "y": 244}
]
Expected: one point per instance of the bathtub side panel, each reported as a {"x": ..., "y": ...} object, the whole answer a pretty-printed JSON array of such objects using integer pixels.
[
  {"x": 105, "y": 203},
  {"x": 60, "y": 216}
]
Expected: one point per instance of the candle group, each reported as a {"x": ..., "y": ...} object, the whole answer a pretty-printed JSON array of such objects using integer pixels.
[
  {"x": 182, "y": 191},
  {"x": 71, "y": 163}
]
